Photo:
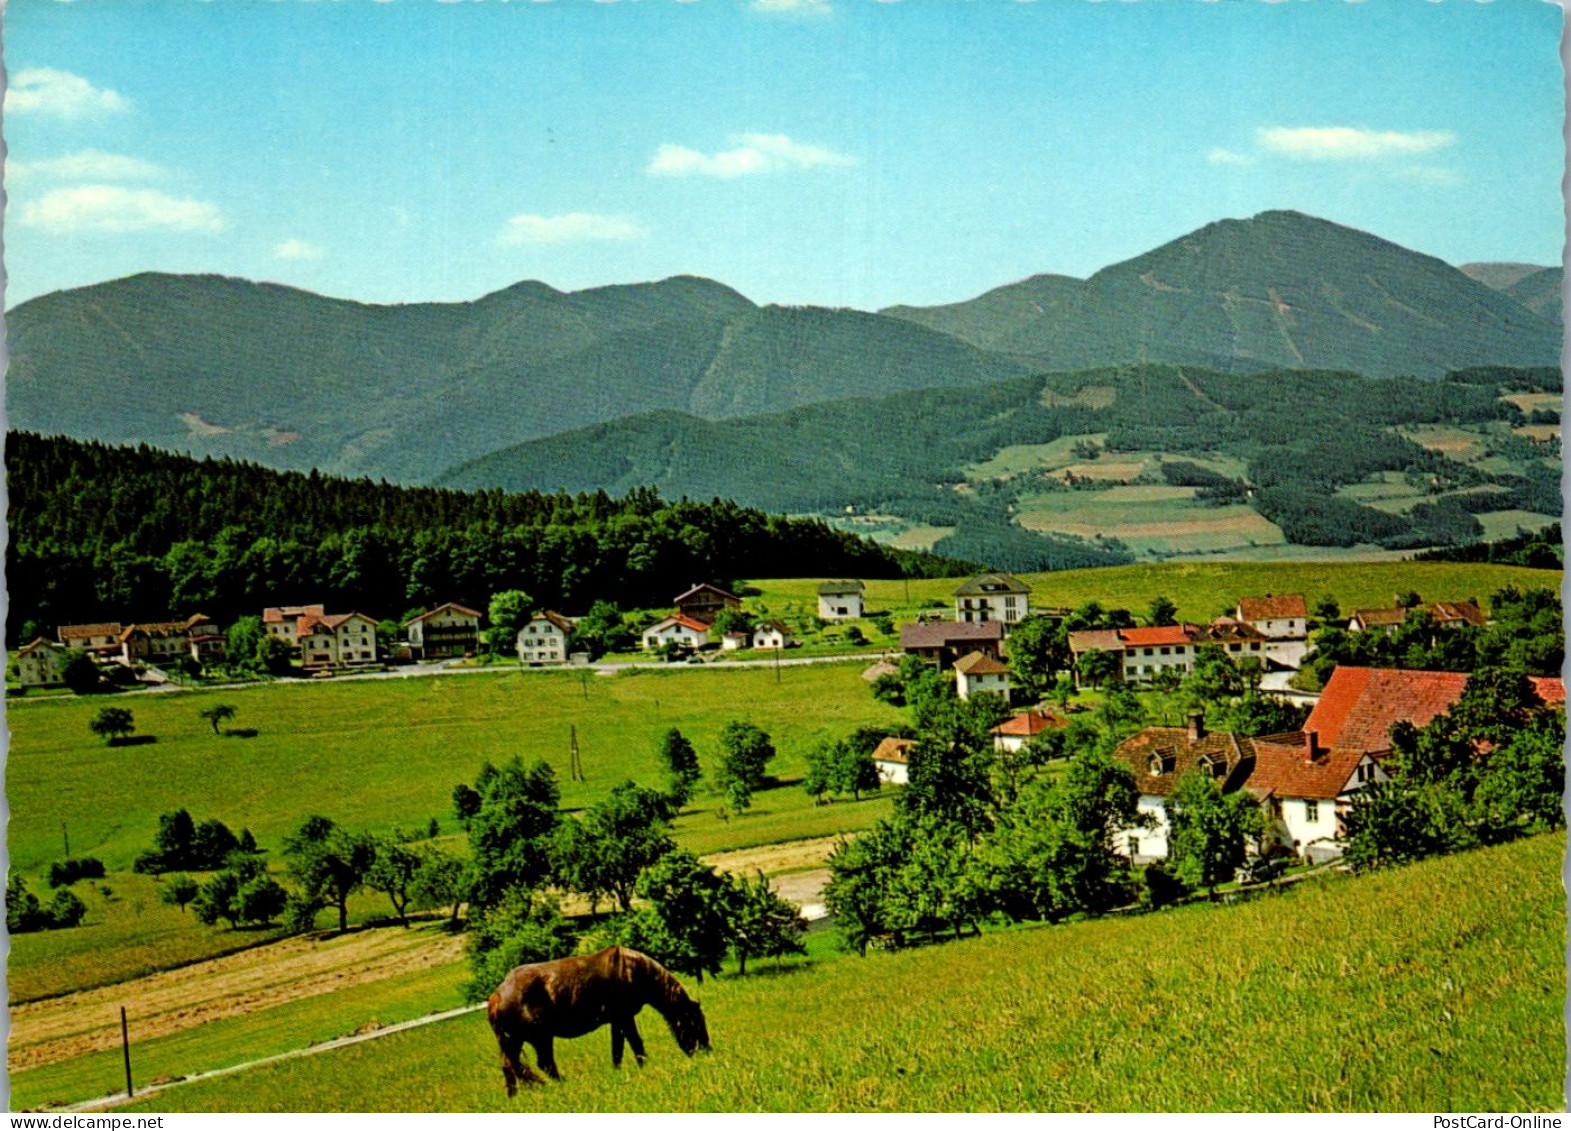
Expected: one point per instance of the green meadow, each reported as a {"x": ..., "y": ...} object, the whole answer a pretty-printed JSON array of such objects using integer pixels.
[
  {"x": 1435, "y": 987},
  {"x": 380, "y": 754}
]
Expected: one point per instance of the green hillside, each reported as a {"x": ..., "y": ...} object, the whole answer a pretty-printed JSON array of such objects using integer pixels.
[
  {"x": 1177, "y": 450},
  {"x": 1387, "y": 992},
  {"x": 1279, "y": 290}
]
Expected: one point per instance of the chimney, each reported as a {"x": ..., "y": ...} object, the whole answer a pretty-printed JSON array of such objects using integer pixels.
[
  {"x": 1311, "y": 746},
  {"x": 1197, "y": 726}
]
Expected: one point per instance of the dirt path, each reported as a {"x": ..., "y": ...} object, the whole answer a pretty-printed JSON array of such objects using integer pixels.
[{"x": 61, "y": 1028}]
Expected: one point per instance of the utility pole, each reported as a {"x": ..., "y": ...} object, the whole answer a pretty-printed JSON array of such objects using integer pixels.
[
  {"x": 575, "y": 768},
  {"x": 65, "y": 836}
]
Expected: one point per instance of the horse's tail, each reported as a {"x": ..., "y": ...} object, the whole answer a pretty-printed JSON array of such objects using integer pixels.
[{"x": 493, "y": 1007}]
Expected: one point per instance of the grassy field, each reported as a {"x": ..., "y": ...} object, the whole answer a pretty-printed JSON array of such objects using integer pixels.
[
  {"x": 377, "y": 754},
  {"x": 1204, "y": 589},
  {"x": 1149, "y": 519},
  {"x": 1437, "y": 987}
]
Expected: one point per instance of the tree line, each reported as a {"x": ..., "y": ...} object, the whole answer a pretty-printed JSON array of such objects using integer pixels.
[{"x": 118, "y": 533}]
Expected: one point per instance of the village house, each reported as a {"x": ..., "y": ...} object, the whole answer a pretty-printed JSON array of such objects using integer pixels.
[
  {"x": 1158, "y": 757},
  {"x": 736, "y": 641},
  {"x": 683, "y": 631},
  {"x": 704, "y": 603},
  {"x": 40, "y": 663},
  {"x": 1446, "y": 614},
  {"x": 993, "y": 597},
  {"x": 978, "y": 673},
  {"x": 1142, "y": 652},
  {"x": 771, "y": 635},
  {"x": 448, "y": 630},
  {"x": 1012, "y": 734},
  {"x": 892, "y": 757},
  {"x": 840, "y": 600},
  {"x": 546, "y": 639},
  {"x": 196, "y": 638},
  {"x": 941, "y": 643},
  {"x": 284, "y": 622},
  {"x": 100, "y": 641},
  {"x": 1282, "y": 623},
  {"x": 342, "y": 640}
]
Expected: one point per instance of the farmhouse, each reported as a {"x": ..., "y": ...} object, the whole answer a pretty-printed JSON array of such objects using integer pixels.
[
  {"x": 196, "y": 638},
  {"x": 683, "y": 631},
  {"x": 40, "y": 663},
  {"x": 1159, "y": 756},
  {"x": 993, "y": 597},
  {"x": 1282, "y": 623},
  {"x": 736, "y": 641},
  {"x": 1446, "y": 614},
  {"x": 546, "y": 639},
  {"x": 284, "y": 622},
  {"x": 99, "y": 641},
  {"x": 892, "y": 757},
  {"x": 447, "y": 630},
  {"x": 840, "y": 600},
  {"x": 978, "y": 673},
  {"x": 704, "y": 603},
  {"x": 343, "y": 640},
  {"x": 1013, "y": 733},
  {"x": 1306, "y": 790},
  {"x": 942, "y": 643},
  {"x": 773, "y": 636}
]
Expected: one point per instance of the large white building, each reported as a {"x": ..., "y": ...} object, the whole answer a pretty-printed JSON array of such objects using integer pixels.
[
  {"x": 546, "y": 639},
  {"x": 840, "y": 600},
  {"x": 993, "y": 596}
]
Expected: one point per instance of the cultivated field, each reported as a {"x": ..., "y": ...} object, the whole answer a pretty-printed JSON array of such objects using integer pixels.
[
  {"x": 1437, "y": 987},
  {"x": 1204, "y": 589}
]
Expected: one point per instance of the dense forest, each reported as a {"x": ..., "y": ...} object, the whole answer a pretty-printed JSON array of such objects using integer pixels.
[{"x": 104, "y": 533}]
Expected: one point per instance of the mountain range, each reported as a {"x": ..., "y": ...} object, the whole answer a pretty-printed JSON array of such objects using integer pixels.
[{"x": 293, "y": 380}]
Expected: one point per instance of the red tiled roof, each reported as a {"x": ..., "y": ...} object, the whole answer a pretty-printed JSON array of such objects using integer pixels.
[
  {"x": 942, "y": 634},
  {"x": 1161, "y": 634},
  {"x": 679, "y": 619},
  {"x": 893, "y": 750},
  {"x": 289, "y": 612},
  {"x": 1030, "y": 724},
  {"x": 1466, "y": 611},
  {"x": 1551, "y": 689},
  {"x": 1284, "y": 607},
  {"x": 772, "y": 626},
  {"x": 1283, "y": 770},
  {"x": 980, "y": 663}
]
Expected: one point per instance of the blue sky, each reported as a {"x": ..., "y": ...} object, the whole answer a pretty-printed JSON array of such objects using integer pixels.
[{"x": 834, "y": 152}]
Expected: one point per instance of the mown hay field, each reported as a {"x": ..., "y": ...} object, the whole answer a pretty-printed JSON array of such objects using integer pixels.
[{"x": 1436, "y": 987}]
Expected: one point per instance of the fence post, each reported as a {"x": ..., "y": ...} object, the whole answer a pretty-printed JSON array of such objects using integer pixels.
[{"x": 125, "y": 1043}]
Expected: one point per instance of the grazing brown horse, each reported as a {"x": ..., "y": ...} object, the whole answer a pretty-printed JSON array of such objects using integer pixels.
[{"x": 572, "y": 996}]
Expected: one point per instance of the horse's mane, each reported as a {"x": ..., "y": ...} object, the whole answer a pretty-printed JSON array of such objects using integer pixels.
[{"x": 664, "y": 990}]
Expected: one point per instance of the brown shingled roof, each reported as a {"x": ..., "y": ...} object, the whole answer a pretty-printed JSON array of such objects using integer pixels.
[
  {"x": 942, "y": 634},
  {"x": 1171, "y": 752},
  {"x": 1284, "y": 607},
  {"x": 980, "y": 663},
  {"x": 894, "y": 750}
]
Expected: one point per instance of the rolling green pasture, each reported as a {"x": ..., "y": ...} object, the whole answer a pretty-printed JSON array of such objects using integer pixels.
[
  {"x": 1436, "y": 987},
  {"x": 375, "y": 754},
  {"x": 1149, "y": 519},
  {"x": 1204, "y": 589}
]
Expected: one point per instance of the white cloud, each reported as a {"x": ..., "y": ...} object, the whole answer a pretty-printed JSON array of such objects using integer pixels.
[
  {"x": 44, "y": 90},
  {"x": 297, "y": 249},
  {"x": 1345, "y": 143},
  {"x": 88, "y": 165},
  {"x": 569, "y": 228},
  {"x": 1220, "y": 156},
  {"x": 754, "y": 153},
  {"x": 112, "y": 208}
]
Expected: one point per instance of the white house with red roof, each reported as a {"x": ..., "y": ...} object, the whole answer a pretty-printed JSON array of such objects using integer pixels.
[
  {"x": 978, "y": 673},
  {"x": 342, "y": 640},
  {"x": 1282, "y": 622},
  {"x": 546, "y": 639},
  {"x": 1013, "y": 733},
  {"x": 450, "y": 629},
  {"x": 284, "y": 621},
  {"x": 99, "y": 641},
  {"x": 159, "y": 642},
  {"x": 1158, "y": 757},
  {"x": 683, "y": 631},
  {"x": 1143, "y": 652}
]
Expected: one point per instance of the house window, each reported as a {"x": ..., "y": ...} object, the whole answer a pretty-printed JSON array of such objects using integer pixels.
[
  {"x": 1312, "y": 812},
  {"x": 1149, "y": 652},
  {"x": 1167, "y": 651},
  {"x": 1134, "y": 846}
]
